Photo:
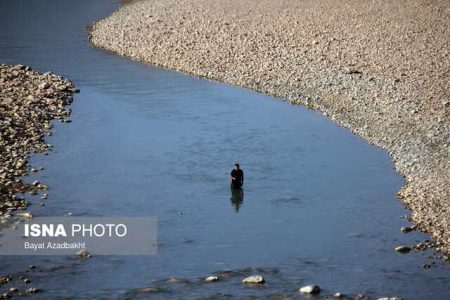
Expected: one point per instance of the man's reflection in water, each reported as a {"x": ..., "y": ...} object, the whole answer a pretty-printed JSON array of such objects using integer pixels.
[{"x": 237, "y": 197}]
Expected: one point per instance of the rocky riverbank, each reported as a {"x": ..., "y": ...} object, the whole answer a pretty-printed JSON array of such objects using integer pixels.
[
  {"x": 379, "y": 68},
  {"x": 29, "y": 101}
]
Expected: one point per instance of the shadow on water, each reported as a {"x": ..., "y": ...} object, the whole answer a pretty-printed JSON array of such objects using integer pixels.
[{"x": 237, "y": 198}]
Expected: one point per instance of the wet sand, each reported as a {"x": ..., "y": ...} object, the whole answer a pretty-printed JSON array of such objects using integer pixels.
[{"x": 380, "y": 69}]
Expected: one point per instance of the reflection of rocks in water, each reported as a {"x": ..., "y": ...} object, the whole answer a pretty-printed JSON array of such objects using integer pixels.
[{"x": 237, "y": 198}]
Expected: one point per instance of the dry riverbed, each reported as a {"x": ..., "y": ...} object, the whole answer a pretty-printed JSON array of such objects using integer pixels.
[
  {"x": 29, "y": 101},
  {"x": 379, "y": 68}
]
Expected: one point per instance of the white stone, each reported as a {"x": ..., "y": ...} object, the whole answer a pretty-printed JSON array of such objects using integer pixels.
[
  {"x": 310, "y": 289},
  {"x": 83, "y": 253},
  {"x": 25, "y": 215},
  {"x": 211, "y": 278},
  {"x": 254, "y": 279}
]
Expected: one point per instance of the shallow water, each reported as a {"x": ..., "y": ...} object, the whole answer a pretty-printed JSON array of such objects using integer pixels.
[{"x": 318, "y": 206}]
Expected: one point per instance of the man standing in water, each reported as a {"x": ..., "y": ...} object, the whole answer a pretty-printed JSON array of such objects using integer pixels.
[{"x": 237, "y": 177}]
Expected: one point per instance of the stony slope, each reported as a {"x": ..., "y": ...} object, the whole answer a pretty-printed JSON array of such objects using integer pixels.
[{"x": 29, "y": 101}]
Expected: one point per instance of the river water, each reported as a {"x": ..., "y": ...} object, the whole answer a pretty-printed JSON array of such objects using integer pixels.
[{"x": 318, "y": 205}]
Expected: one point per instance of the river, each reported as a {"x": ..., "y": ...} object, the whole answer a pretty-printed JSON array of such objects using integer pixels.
[{"x": 318, "y": 206}]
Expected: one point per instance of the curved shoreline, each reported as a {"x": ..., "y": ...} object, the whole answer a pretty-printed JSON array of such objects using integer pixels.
[
  {"x": 29, "y": 101},
  {"x": 378, "y": 70}
]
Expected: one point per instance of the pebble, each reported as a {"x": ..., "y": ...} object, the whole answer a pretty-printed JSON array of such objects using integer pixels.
[
  {"x": 4, "y": 279},
  {"x": 406, "y": 229},
  {"x": 421, "y": 246},
  {"x": 83, "y": 253},
  {"x": 25, "y": 215},
  {"x": 33, "y": 290},
  {"x": 211, "y": 278},
  {"x": 310, "y": 289},
  {"x": 402, "y": 249},
  {"x": 254, "y": 279}
]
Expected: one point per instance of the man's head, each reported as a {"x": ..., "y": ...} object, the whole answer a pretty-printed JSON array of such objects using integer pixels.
[{"x": 236, "y": 166}]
